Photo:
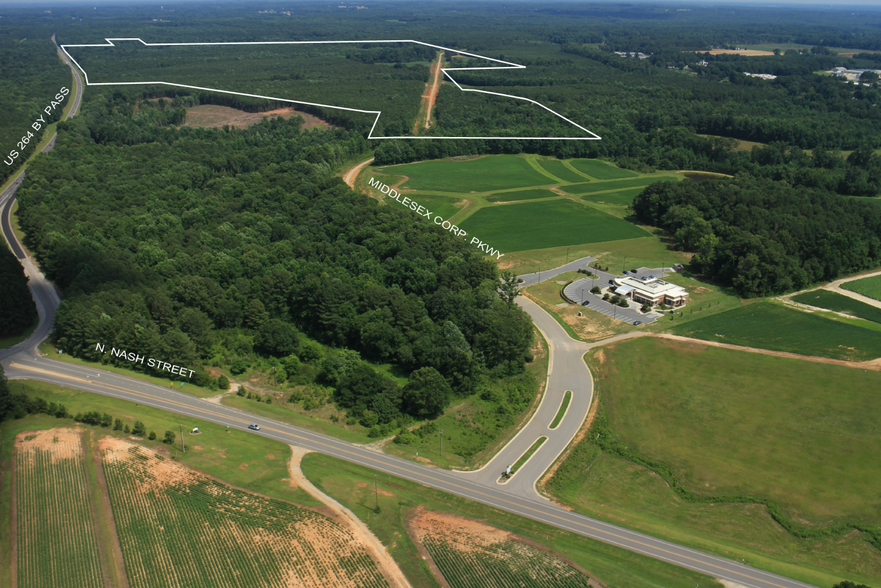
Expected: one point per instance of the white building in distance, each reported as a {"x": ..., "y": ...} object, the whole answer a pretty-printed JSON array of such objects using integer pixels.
[{"x": 651, "y": 291}]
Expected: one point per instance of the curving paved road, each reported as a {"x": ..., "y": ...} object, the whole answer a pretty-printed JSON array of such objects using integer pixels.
[{"x": 567, "y": 372}]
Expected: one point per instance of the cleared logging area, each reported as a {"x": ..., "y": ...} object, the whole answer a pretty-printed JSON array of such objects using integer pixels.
[
  {"x": 56, "y": 543},
  {"x": 473, "y": 555},
  {"x": 179, "y": 528}
]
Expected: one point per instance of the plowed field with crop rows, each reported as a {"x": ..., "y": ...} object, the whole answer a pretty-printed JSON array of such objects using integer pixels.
[
  {"x": 56, "y": 543},
  {"x": 179, "y": 528}
]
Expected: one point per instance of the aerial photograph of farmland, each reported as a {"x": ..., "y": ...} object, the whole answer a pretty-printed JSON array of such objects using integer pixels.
[{"x": 484, "y": 294}]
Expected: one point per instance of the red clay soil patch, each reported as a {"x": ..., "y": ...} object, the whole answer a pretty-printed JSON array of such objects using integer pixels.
[
  {"x": 209, "y": 116},
  {"x": 475, "y": 542}
]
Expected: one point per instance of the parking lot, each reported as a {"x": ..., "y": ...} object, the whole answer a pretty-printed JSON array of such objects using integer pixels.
[{"x": 579, "y": 291}]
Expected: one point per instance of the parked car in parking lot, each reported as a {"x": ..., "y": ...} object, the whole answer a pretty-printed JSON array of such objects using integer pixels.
[
  {"x": 585, "y": 303},
  {"x": 637, "y": 323}
]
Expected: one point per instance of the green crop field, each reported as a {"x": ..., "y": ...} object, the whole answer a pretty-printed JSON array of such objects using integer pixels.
[
  {"x": 870, "y": 287},
  {"x": 772, "y": 326},
  {"x": 557, "y": 168},
  {"x": 491, "y": 172},
  {"x": 601, "y": 170},
  {"x": 178, "y": 527},
  {"x": 619, "y": 197},
  {"x": 730, "y": 428},
  {"x": 56, "y": 541},
  {"x": 471, "y": 560},
  {"x": 840, "y": 303},
  {"x": 546, "y": 224},
  {"x": 522, "y": 195},
  {"x": 444, "y": 206},
  {"x": 616, "y": 185}
]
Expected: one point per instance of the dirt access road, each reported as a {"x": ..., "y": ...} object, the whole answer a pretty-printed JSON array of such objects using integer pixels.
[
  {"x": 430, "y": 96},
  {"x": 350, "y": 176}
]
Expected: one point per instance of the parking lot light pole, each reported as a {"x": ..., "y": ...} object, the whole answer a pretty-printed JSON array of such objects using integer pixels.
[
  {"x": 582, "y": 295},
  {"x": 624, "y": 265}
]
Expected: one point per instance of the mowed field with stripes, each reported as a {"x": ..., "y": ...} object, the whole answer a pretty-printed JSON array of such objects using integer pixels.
[{"x": 525, "y": 202}]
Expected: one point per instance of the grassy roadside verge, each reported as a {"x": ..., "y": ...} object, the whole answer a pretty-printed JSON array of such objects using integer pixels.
[
  {"x": 352, "y": 485},
  {"x": 529, "y": 453}
]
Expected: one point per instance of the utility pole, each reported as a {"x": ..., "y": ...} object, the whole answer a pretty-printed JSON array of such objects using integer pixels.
[
  {"x": 376, "y": 492},
  {"x": 442, "y": 442},
  {"x": 183, "y": 443},
  {"x": 624, "y": 265},
  {"x": 567, "y": 255}
]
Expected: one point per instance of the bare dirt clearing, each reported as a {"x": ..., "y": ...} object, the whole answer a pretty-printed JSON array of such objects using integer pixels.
[{"x": 209, "y": 116}]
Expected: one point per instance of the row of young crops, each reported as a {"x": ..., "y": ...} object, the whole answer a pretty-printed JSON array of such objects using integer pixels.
[
  {"x": 56, "y": 542},
  {"x": 507, "y": 564},
  {"x": 181, "y": 529}
]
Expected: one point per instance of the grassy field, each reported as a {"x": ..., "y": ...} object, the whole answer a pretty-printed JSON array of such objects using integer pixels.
[
  {"x": 648, "y": 251},
  {"x": 490, "y": 172},
  {"x": 557, "y": 168},
  {"x": 546, "y": 224},
  {"x": 442, "y": 205},
  {"x": 618, "y": 197},
  {"x": 521, "y": 195},
  {"x": 471, "y": 554},
  {"x": 732, "y": 427},
  {"x": 870, "y": 287},
  {"x": 399, "y": 499},
  {"x": 55, "y": 524},
  {"x": 767, "y": 325},
  {"x": 161, "y": 508},
  {"x": 601, "y": 170},
  {"x": 839, "y": 303},
  {"x": 617, "y": 184}
]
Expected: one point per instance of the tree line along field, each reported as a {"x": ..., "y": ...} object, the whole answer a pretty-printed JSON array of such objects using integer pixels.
[
  {"x": 517, "y": 203},
  {"x": 839, "y": 303},
  {"x": 55, "y": 529},
  {"x": 870, "y": 287},
  {"x": 768, "y": 325},
  {"x": 741, "y": 454}
]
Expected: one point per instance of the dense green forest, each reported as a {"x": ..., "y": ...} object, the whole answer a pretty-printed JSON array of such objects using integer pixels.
[
  {"x": 764, "y": 237},
  {"x": 31, "y": 74},
  {"x": 211, "y": 246},
  {"x": 19, "y": 311}
]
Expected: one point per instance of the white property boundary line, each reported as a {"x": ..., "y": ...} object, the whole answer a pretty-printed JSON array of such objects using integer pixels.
[{"x": 378, "y": 113}]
